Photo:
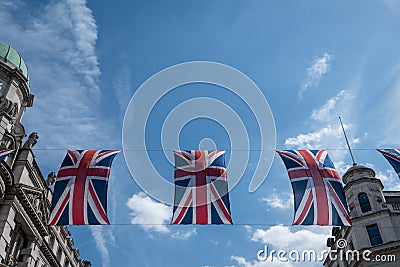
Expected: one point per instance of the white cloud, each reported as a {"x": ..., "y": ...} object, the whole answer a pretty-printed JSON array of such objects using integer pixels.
[
  {"x": 122, "y": 87},
  {"x": 84, "y": 29},
  {"x": 324, "y": 137},
  {"x": 183, "y": 235},
  {"x": 59, "y": 48},
  {"x": 316, "y": 139},
  {"x": 63, "y": 32},
  {"x": 281, "y": 237},
  {"x": 215, "y": 242},
  {"x": 241, "y": 261},
  {"x": 248, "y": 228},
  {"x": 389, "y": 179},
  {"x": 58, "y": 44},
  {"x": 328, "y": 133},
  {"x": 101, "y": 244},
  {"x": 324, "y": 113},
  {"x": 150, "y": 214},
  {"x": 279, "y": 201},
  {"x": 316, "y": 72},
  {"x": 154, "y": 216},
  {"x": 342, "y": 166}
]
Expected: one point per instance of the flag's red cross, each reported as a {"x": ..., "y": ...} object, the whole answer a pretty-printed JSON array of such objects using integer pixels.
[
  {"x": 200, "y": 170},
  {"x": 317, "y": 175},
  {"x": 81, "y": 173}
]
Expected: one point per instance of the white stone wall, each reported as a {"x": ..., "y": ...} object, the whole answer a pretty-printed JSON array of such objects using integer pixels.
[{"x": 7, "y": 224}]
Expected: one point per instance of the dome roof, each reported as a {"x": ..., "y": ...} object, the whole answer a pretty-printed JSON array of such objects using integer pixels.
[
  {"x": 357, "y": 172},
  {"x": 9, "y": 54}
]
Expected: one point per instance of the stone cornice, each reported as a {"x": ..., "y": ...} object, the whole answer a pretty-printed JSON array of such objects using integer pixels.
[
  {"x": 372, "y": 214},
  {"x": 363, "y": 180},
  {"x": 383, "y": 248},
  {"x": 21, "y": 210},
  {"x": 49, "y": 255},
  {"x": 21, "y": 191},
  {"x": 33, "y": 169},
  {"x": 7, "y": 174}
]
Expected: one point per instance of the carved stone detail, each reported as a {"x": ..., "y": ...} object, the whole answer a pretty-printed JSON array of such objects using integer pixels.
[
  {"x": 2, "y": 188},
  {"x": 8, "y": 107},
  {"x": 32, "y": 140},
  {"x": 51, "y": 178},
  {"x": 350, "y": 195},
  {"x": 3, "y": 104},
  {"x": 18, "y": 131},
  {"x": 373, "y": 188}
]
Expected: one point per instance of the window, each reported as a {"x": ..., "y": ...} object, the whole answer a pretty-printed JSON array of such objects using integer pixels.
[
  {"x": 374, "y": 235},
  {"x": 18, "y": 242},
  {"x": 364, "y": 202}
]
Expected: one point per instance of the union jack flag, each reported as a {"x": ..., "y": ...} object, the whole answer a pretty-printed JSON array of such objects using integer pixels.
[
  {"x": 318, "y": 192},
  {"x": 4, "y": 154},
  {"x": 393, "y": 156},
  {"x": 201, "y": 188},
  {"x": 80, "y": 191}
]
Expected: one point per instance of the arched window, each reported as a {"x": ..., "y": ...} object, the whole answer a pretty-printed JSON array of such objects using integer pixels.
[
  {"x": 374, "y": 235},
  {"x": 364, "y": 202}
]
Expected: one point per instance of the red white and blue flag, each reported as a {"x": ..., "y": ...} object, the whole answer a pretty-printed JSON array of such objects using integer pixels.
[
  {"x": 201, "y": 188},
  {"x": 318, "y": 192},
  {"x": 4, "y": 153},
  {"x": 393, "y": 156},
  {"x": 80, "y": 191}
]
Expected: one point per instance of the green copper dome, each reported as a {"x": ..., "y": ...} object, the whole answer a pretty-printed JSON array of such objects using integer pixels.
[{"x": 9, "y": 54}]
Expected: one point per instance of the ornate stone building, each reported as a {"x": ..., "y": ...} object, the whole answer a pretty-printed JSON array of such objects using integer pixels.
[
  {"x": 375, "y": 216},
  {"x": 25, "y": 195}
]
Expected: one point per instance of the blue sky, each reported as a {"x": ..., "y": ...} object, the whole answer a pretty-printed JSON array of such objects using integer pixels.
[{"x": 313, "y": 61}]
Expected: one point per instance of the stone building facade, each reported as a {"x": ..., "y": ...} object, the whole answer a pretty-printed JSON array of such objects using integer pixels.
[
  {"x": 375, "y": 217},
  {"x": 25, "y": 195}
]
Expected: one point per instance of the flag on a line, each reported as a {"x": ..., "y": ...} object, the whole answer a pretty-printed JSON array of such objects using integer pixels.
[
  {"x": 201, "y": 188},
  {"x": 80, "y": 190},
  {"x": 393, "y": 156},
  {"x": 318, "y": 192}
]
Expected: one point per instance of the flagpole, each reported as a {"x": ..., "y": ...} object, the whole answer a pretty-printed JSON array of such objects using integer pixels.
[{"x": 347, "y": 141}]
